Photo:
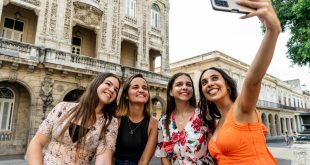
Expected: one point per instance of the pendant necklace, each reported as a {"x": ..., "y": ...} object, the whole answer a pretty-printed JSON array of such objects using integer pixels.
[{"x": 131, "y": 131}]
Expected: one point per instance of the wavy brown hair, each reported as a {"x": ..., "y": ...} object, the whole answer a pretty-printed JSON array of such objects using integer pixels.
[
  {"x": 123, "y": 105},
  {"x": 208, "y": 108},
  {"x": 84, "y": 113}
]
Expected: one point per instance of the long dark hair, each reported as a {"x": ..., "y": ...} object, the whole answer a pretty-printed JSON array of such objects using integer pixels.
[
  {"x": 170, "y": 99},
  {"x": 85, "y": 110},
  {"x": 123, "y": 106},
  {"x": 208, "y": 108}
]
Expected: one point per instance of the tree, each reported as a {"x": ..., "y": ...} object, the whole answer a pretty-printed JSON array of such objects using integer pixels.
[{"x": 294, "y": 15}]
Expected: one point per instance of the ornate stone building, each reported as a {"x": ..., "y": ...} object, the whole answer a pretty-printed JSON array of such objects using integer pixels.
[
  {"x": 279, "y": 104},
  {"x": 51, "y": 49}
]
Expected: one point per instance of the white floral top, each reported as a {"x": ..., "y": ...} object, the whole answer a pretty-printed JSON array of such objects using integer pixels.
[
  {"x": 62, "y": 151},
  {"x": 185, "y": 147}
]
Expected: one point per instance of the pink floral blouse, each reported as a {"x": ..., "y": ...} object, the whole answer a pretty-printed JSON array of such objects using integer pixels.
[
  {"x": 62, "y": 151},
  {"x": 185, "y": 147}
]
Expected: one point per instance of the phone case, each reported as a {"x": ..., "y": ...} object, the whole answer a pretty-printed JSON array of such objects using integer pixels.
[{"x": 230, "y": 6}]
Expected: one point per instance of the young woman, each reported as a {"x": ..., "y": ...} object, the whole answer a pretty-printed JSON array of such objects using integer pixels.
[
  {"x": 238, "y": 137},
  {"x": 182, "y": 131},
  {"x": 137, "y": 136},
  {"x": 74, "y": 133}
]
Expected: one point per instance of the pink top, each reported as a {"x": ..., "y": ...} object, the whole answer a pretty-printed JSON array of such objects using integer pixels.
[{"x": 62, "y": 151}]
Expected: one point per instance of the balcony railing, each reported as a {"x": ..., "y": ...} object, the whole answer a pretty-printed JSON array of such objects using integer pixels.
[
  {"x": 5, "y": 135},
  {"x": 80, "y": 61},
  {"x": 263, "y": 103},
  {"x": 52, "y": 56},
  {"x": 19, "y": 49},
  {"x": 149, "y": 76}
]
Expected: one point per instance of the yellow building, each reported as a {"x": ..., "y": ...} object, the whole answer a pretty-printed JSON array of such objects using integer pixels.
[{"x": 51, "y": 49}]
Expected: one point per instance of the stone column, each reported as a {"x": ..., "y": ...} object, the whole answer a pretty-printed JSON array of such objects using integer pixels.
[
  {"x": 288, "y": 124},
  {"x": 284, "y": 125}
]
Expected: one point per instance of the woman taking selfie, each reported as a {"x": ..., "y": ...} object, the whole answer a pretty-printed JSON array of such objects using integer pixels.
[
  {"x": 74, "y": 133},
  {"x": 238, "y": 137},
  {"x": 182, "y": 132},
  {"x": 137, "y": 136}
]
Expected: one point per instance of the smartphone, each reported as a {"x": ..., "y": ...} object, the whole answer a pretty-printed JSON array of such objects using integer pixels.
[{"x": 230, "y": 6}]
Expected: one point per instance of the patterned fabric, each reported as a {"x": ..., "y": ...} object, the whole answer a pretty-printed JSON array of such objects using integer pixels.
[
  {"x": 188, "y": 146},
  {"x": 62, "y": 151}
]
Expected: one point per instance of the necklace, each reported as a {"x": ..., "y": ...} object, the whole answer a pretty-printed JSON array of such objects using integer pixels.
[
  {"x": 183, "y": 116},
  {"x": 131, "y": 131}
]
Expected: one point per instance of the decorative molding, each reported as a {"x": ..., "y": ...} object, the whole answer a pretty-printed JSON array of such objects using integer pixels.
[
  {"x": 104, "y": 28},
  {"x": 45, "y": 17},
  {"x": 52, "y": 27},
  {"x": 130, "y": 35},
  {"x": 12, "y": 76},
  {"x": 33, "y": 2},
  {"x": 67, "y": 22},
  {"x": 46, "y": 93},
  {"x": 88, "y": 14},
  {"x": 115, "y": 24}
]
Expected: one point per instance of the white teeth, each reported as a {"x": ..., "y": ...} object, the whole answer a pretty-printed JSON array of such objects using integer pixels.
[{"x": 213, "y": 91}]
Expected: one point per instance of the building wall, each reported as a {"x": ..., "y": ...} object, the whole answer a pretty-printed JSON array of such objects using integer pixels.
[{"x": 41, "y": 70}]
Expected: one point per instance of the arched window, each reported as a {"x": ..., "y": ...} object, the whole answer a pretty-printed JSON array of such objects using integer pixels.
[
  {"x": 155, "y": 16},
  {"x": 130, "y": 8},
  {"x": 6, "y": 108}
]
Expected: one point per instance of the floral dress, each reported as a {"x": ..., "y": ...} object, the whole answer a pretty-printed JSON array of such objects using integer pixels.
[
  {"x": 62, "y": 151},
  {"x": 188, "y": 146}
]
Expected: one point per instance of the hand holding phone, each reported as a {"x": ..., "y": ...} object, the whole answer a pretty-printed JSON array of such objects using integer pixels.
[{"x": 230, "y": 6}]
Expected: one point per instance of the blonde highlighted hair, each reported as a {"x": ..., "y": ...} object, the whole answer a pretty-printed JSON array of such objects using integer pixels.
[{"x": 123, "y": 105}]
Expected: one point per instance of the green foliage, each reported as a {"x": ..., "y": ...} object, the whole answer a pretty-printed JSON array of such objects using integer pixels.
[{"x": 294, "y": 15}]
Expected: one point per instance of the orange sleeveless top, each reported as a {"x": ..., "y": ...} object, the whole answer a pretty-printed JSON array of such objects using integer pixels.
[{"x": 242, "y": 144}]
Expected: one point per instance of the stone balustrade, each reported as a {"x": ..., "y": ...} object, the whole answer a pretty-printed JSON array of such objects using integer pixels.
[
  {"x": 263, "y": 103},
  {"x": 131, "y": 20},
  {"x": 5, "y": 135},
  {"x": 80, "y": 61},
  {"x": 19, "y": 49},
  {"x": 52, "y": 56},
  {"x": 149, "y": 76}
]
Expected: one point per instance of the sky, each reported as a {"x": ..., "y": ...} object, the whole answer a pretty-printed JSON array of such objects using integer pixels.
[{"x": 195, "y": 28}]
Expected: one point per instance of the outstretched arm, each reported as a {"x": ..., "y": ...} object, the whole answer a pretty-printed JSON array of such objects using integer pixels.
[{"x": 252, "y": 83}]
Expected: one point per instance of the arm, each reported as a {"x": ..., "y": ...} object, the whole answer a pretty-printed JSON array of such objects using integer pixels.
[
  {"x": 105, "y": 158},
  {"x": 35, "y": 148},
  {"x": 151, "y": 143},
  {"x": 246, "y": 104},
  {"x": 165, "y": 161}
]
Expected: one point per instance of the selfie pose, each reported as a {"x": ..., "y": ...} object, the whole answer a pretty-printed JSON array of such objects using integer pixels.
[
  {"x": 137, "y": 134},
  {"x": 238, "y": 137},
  {"x": 74, "y": 133},
  {"x": 182, "y": 132}
]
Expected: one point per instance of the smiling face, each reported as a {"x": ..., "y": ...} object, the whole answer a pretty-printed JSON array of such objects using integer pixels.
[
  {"x": 182, "y": 88},
  {"x": 138, "y": 91},
  {"x": 107, "y": 91},
  {"x": 214, "y": 86}
]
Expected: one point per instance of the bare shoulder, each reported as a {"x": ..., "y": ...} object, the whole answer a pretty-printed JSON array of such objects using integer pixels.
[{"x": 153, "y": 121}]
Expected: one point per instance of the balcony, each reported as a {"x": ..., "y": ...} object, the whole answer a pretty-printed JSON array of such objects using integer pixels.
[
  {"x": 19, "y": 52},
  {"x": 151, "y": 77},
  {"x": 263, "y": 103},
  {"x": 79, "y": 61},
  {"x": 23, "y": 53}
]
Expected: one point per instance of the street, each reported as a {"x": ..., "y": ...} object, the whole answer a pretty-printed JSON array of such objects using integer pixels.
[{"x": 281, "y": 152}]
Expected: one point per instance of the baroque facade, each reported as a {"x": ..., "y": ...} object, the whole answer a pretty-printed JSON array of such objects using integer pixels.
[
  {"x": 51, "y": 49},
  {"x": 279, "y": 104}
]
